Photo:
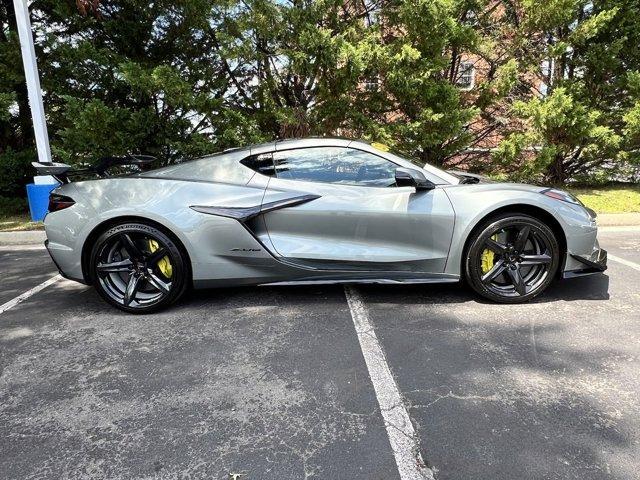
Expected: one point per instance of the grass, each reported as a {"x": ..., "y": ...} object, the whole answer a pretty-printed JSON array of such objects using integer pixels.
[
  {"x": 16, "y": 223},
  {"x": 617, "y": 198},
  {"x": 14, "y": 215}
]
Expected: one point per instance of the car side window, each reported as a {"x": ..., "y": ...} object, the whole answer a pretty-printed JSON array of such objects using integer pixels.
[
  {"x": 337, "y": 165},
  {"x": 261, "y": 163}
]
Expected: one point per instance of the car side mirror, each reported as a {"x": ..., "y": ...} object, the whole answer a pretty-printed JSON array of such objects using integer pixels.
[{"x": 408, "y": 177}]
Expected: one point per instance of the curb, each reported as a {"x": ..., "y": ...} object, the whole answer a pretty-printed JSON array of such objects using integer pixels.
[
  {"x": 618, "y": 219},
  {"x": 28, "y": 237}
]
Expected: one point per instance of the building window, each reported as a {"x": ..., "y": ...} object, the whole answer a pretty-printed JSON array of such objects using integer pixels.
[
  {"x": 547, "y": 70},
  {"x": 372, "y": 83},
  {"x": 371, "y": 12},
  {"x": 466, "y": 76}
]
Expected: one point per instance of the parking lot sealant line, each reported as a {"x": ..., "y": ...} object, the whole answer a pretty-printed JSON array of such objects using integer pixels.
[
  {"x": 22, "y": 297},
  {"x": 634, "y": 265},
  {"x": 402, "y": 436}
]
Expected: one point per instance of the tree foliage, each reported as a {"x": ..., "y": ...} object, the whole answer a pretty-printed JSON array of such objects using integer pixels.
[
  {"x": 586, "y": 123},
  {"x": 185, "y": 77}
]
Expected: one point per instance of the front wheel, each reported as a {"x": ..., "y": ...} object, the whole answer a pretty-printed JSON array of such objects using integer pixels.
[
  {"x": 138, "y": 268},
  {"x": 512, "y": 259}
]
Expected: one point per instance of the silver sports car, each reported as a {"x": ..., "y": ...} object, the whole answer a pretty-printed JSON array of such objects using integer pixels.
[{"x": 311, "y": 211}]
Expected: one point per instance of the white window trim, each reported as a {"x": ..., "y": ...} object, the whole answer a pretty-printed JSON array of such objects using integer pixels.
[{"x": 473, "y": 77}]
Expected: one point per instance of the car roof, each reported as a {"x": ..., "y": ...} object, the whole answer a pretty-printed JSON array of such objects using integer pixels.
[
  {"x": 230, "y": 159},
  {"x": 306, "y": 142},
  {"x": 312, "y": 142}
]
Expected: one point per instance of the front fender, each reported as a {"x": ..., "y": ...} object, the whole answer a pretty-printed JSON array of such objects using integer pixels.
[{"x": 473, "y": 203}]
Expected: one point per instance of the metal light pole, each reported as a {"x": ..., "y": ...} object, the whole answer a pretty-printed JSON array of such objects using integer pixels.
[{"x": 33, "y": 80}]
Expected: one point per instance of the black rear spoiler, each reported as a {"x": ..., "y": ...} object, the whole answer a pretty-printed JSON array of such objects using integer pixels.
[
  {"x": 56, "y": 170},
  {"x": 105, "y": 163},
  {"x": 61, "y": 171}
]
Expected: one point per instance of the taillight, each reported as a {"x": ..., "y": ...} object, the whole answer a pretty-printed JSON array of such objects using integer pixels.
[{"x": 59, "y": 202}]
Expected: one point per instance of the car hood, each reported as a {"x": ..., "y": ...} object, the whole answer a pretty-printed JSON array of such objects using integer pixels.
[
  {"x": 471, "y": 178},
  {"x": 492, "y": 186}
]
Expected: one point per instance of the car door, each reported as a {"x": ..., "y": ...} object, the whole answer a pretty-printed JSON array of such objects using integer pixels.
[{"x": 360, "y": 219}]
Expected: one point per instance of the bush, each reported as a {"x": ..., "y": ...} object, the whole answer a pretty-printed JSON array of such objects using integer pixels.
[
  {"x": 15, "y": 172},
  {"x": 10, "y": 207}
]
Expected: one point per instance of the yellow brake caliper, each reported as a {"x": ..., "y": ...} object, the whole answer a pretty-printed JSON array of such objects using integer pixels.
[
  {"x": 163, "y": 264},
  {"x": 488, "y": 258}
]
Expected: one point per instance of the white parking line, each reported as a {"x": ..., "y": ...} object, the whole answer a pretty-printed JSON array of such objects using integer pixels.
[
  {"x": 628, "y": 263},
  {"x": 402, "y": 436},
  {"x": 20, "y": 298}
]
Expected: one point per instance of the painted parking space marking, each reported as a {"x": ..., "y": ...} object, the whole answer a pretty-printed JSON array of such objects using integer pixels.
[
  {"x": 22, "y": 297},
  {"x": 402, "y": 436},
  {"x": 628, "y": 263}
]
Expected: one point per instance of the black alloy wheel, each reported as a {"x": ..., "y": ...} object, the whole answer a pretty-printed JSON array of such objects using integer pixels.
[
  {"x": 513, "y": 258},
  {"x": 138, "y": 268}
]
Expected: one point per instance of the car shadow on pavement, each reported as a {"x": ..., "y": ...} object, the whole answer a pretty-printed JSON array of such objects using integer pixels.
[
  {"x": 518, "y": 391},
  {"x": 490, "y": 403},
  {"x": 594, "y": 287}
]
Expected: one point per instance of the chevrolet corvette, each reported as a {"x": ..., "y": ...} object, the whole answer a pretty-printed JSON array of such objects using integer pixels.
[{"x": 315, "y": 210}]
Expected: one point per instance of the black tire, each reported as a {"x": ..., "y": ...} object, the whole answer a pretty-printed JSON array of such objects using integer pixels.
[
  {"x": 522, "y": 261},
  {"x": 130, "y": 271}
]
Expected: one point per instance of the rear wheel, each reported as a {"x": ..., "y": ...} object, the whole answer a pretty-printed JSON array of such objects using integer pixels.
[
  {"x": 138, "y": 268},
  {"x": 512, "y": 259}
]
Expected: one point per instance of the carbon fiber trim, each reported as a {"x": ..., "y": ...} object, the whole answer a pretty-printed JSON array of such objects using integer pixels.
[
  {"x": 243, "y": 214},
  {"x": 596, "y": 263}
]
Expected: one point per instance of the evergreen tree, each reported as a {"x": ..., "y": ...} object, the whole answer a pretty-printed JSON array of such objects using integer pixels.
[
  {"x": 181, "y": 78},
  {"x": 17, "y": 146},
  {"x": 586, "y": 122}
]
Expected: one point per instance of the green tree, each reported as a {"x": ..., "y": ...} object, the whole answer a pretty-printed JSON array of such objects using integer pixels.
[
  {"x": 180, "y": 78},
  {"x": 17, "y": 148},
  {"x": 364, "y": 69},
  {"x": 587, "y": 53},
  {"x": 296, "y": 66},
  {"x": 137, "y": 77}
]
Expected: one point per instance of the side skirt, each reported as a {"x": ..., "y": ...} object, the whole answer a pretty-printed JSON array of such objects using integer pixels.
[{"x": 443, "y": 278}]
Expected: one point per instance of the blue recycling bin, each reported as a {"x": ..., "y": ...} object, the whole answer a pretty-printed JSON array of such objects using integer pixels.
[{"x": 38, "y": 196}]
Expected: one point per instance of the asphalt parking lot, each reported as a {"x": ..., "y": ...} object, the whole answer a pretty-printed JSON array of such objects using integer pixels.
[{"x": 273, "y": 383}]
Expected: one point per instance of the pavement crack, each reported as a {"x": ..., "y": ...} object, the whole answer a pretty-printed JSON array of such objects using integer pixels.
[{"x": 483, "y": 398}]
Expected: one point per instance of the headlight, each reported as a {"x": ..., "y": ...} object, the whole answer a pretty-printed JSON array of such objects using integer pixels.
[
  {"x": 567, "y": 197},
  {"x": 562, "y": 196}
]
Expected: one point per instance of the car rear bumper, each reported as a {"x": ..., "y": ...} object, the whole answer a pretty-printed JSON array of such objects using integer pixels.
[
  {"x": 594, "y": 263},
  {"x": 59, "y": 255}
]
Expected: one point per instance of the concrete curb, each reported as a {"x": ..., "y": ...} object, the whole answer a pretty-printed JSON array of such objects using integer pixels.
[
  {"x": 29, "y": 237},
  {"x": 618, "y": 219}
]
